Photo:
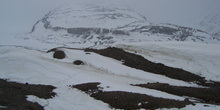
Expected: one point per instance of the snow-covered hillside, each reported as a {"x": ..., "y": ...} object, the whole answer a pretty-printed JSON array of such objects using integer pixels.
[
  {"x": 108, "y": 57},
  {"x": 209, "y": 23},
  {"x": 88, "y": 25},
  {"x": 38, "y": 67}
]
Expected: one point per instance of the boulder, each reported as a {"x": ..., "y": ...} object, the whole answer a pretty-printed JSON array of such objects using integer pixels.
[
  {"x": 78, "y": 62},
  {"x": 59, "y": 54}
]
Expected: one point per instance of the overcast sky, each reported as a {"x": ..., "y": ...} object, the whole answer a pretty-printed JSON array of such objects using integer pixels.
[{"x": 18, "y": 16}]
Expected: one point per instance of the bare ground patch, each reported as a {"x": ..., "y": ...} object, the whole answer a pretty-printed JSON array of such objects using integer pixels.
[
  {"x": 209, "y": 94},
  {"x": 129, "y": 100},
  {"x": 205, "y": 95},
  {"x": 139, "y": 62},
  {"x": 13, "y": 95},
  {"x": 88, "y": 88}
]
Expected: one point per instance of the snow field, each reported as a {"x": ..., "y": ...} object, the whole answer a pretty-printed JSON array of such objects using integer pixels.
[
  {"x": 38, "y": 67},
  {"x": 198, "y": 58}
]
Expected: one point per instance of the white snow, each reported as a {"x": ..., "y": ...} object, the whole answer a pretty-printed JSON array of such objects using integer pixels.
[
  {"x": 27, "y": 61},
  {"x": 37, "y": 67},
  {"x": 201, "y": 59},
  {"x": 92, "y": 16}
]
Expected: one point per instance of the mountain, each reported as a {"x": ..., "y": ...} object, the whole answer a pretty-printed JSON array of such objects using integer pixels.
[
  {"x": 107, "y": 57},
  {"x": 91, "y": 25},
  {"x": 209, "y": 23}
]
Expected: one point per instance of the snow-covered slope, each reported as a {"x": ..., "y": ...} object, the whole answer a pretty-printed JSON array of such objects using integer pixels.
[
  {"x": 89, "y": 25},
  {"x": 38, "y": 67},
  {"x": 73, "y": 28},
  {"x": 209, "y": 23},
  {"x": 91, "y": 16}
]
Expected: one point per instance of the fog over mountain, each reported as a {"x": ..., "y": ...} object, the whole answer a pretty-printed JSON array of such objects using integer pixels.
[{"x": 19, "y": 16}]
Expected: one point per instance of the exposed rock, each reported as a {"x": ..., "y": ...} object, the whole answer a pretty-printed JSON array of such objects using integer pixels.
[
  {"x": 13, "y": 96},
  {"x": 139, "y": 62},
  {"x": 59, "y": 54},
  {"x": 207, "y": 95},
  {"x": 78, "y": 62},
  {"x": 128, "y": 100},
  {"x": 89, "y": 88}
]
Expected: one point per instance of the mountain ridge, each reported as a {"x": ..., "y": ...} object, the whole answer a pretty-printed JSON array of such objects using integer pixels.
[{"x": 95, "y": 25}]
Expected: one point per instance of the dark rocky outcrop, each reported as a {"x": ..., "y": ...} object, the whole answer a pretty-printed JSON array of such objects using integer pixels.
[
  {"x": 98, "y": 31},
  {"x": 78, "y": 62},
  {"x": 13, "y": 95},
  {"x": 207, "y": 95},
  {"x": 59, "y": 54},
  {"x": 139, "y": 62},
  {"x": 128, "y": 100}
]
